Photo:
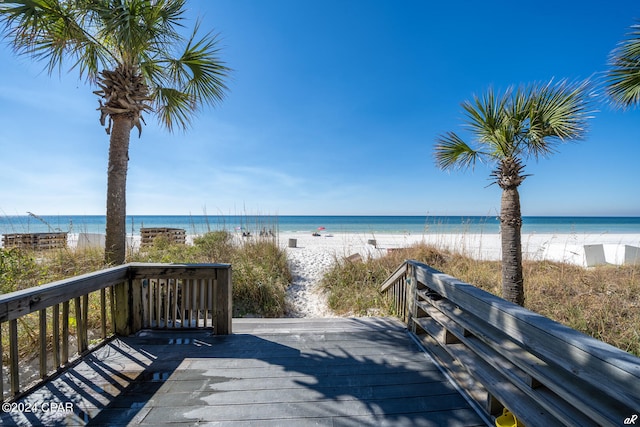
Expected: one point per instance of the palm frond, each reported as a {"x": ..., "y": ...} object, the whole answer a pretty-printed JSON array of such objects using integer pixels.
[
  {"x": 173, "y": 108},
  {"x": 52, "y": 31},
  {"x": 451, "y": 152},
  {"x": 490, "y": 120},
  {"x": 197, "y": 73},
  {"x": 557, "y": 113},
  {"x": 526, "y": 121},
  {"x": 623, "y": 78},
  {"x": 208, "y": 72}
]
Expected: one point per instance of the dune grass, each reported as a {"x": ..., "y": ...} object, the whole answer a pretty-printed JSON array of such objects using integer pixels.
[{"x": 603, "y": 302}]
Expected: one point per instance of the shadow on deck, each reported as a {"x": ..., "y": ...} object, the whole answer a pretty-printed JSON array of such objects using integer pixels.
[{"x": 270, "y": 372}]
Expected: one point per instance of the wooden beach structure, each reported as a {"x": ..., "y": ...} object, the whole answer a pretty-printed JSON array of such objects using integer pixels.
[
  {"x": 173, "y": 235},
  {"x": 161, "y": 348},
  {"x": 35, "y": 241}
]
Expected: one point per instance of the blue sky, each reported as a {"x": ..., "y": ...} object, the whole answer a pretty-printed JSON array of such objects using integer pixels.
[{"x": 334, "y": 107}]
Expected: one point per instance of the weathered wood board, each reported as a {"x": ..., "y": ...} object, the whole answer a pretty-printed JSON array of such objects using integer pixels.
[{"x": 270, "y": 372}]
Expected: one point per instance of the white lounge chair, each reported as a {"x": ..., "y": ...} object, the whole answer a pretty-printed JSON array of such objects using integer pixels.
[
  {"x": 594, "y": 255},
  {"x": 631, "y": 255},
  {"x": 90, "y": 240}
]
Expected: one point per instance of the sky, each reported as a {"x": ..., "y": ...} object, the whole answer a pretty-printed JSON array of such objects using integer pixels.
[{"x": 334, "y": 108}]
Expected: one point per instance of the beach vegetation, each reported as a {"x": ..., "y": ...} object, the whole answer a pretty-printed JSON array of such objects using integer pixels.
[
  {"x": 136, "y": 55},
  {"x": 509, "y": 128},
  {"x": 260, "y": 271},
  {"x": 603, "y": 301},
  {"x": 623, "y": 77}
]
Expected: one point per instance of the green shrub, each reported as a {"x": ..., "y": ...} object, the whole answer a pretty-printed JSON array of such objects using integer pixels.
[
  {"x": 19, "y": 270},
  {"x": 215, "y": 246}
]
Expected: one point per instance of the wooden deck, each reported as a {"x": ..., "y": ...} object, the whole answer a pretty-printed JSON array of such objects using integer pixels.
[{"x": 270, "y": 372}]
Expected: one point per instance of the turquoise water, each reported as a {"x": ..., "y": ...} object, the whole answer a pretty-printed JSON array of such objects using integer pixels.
[{"x": 332, "y": 224}]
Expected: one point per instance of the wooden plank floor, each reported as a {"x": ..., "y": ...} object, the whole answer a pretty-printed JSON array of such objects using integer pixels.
[{"x": 270, "y": 372}]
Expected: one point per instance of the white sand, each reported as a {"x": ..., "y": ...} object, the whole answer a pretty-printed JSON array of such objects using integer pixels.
[{"x": 312, "y": 256}]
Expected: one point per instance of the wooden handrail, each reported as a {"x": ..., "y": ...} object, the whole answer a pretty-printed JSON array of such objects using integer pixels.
[
  {"x": 121, "y": 310},
  {"x": 507, "y": 356},
  {"x": 19, "y": 303}
]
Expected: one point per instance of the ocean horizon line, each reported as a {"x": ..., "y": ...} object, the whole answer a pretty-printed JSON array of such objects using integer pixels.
[{"x": 199, "y": 224}]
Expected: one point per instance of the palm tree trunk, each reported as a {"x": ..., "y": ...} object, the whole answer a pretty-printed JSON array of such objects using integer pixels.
[
  {"x": 115, "y": 239},
  {"x": 510, "y": 226}
]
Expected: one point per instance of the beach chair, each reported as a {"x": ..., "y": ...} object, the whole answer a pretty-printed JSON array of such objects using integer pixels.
[
  {"x": 631, "y": 255},
  {"x": 90, "y": 240},
  {"x": 594, "y": 255}
]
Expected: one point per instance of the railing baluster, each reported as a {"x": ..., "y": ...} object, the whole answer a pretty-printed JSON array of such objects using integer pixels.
[
  {"x": 85, "y": 320},
  {"x": 207, "y": 307},
  {"x": 103, "y": 312},
  {"x": 183, "y": 301},
  {"x": 144, "y": 288},
  {"x": 152, "y": 302},
  {"x": 167, "y": 294},
  {"x": 56, "y": 335},
  {"x": 198, "y": 301},
  {"x": 187, "y": 302},
  {"x": 79, "y": 325},
  {"x": 193, "y": 303},
  {"x": 112, "y": 307},
  {"x": 1, "y": 366},
  {"x": 65, "y": 332},
  {"x": 158, "y": 303},
  {"x": 174, "y": 302},
  {"x": 42, "y": 338},
  {"x": 13, "y": 357}
]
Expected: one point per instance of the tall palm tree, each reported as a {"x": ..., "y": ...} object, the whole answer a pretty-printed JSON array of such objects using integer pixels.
[
  {"x": 509, "y": 128},
  {"x": 133, "y": 51},
  {"x": 623, "y": 78}
]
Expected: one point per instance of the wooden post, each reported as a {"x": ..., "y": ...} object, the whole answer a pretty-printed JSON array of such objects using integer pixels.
[
  {"x": 127, "y": 302},
  {"x": 411, "y": 289},
  {"x": 122, "y": 308},
  {"x": 223, "y": 302}
]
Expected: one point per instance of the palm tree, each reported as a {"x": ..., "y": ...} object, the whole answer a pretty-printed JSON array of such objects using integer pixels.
[
  {"x": 623, "y": 79},
  {"x": 133, "y": 51},
  {"x": 509, "y": 128}
]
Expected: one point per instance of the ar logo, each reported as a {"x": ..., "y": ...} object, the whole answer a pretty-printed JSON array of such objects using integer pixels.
[{"x": 631, "y": 420}]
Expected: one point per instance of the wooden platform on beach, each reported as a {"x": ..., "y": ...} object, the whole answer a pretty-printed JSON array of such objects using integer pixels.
[{"x": 269, "y": 372}]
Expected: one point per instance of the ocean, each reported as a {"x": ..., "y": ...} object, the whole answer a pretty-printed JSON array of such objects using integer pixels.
[{"x": 198, "y": 224}]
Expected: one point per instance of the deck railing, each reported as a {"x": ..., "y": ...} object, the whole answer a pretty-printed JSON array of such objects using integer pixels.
[
  {"x": 45, "y": 326},
  {"x": 505, "y": 356}
]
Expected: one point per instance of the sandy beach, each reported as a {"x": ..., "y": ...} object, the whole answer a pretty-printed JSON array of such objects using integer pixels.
[{"x": 311, "y": 256}]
